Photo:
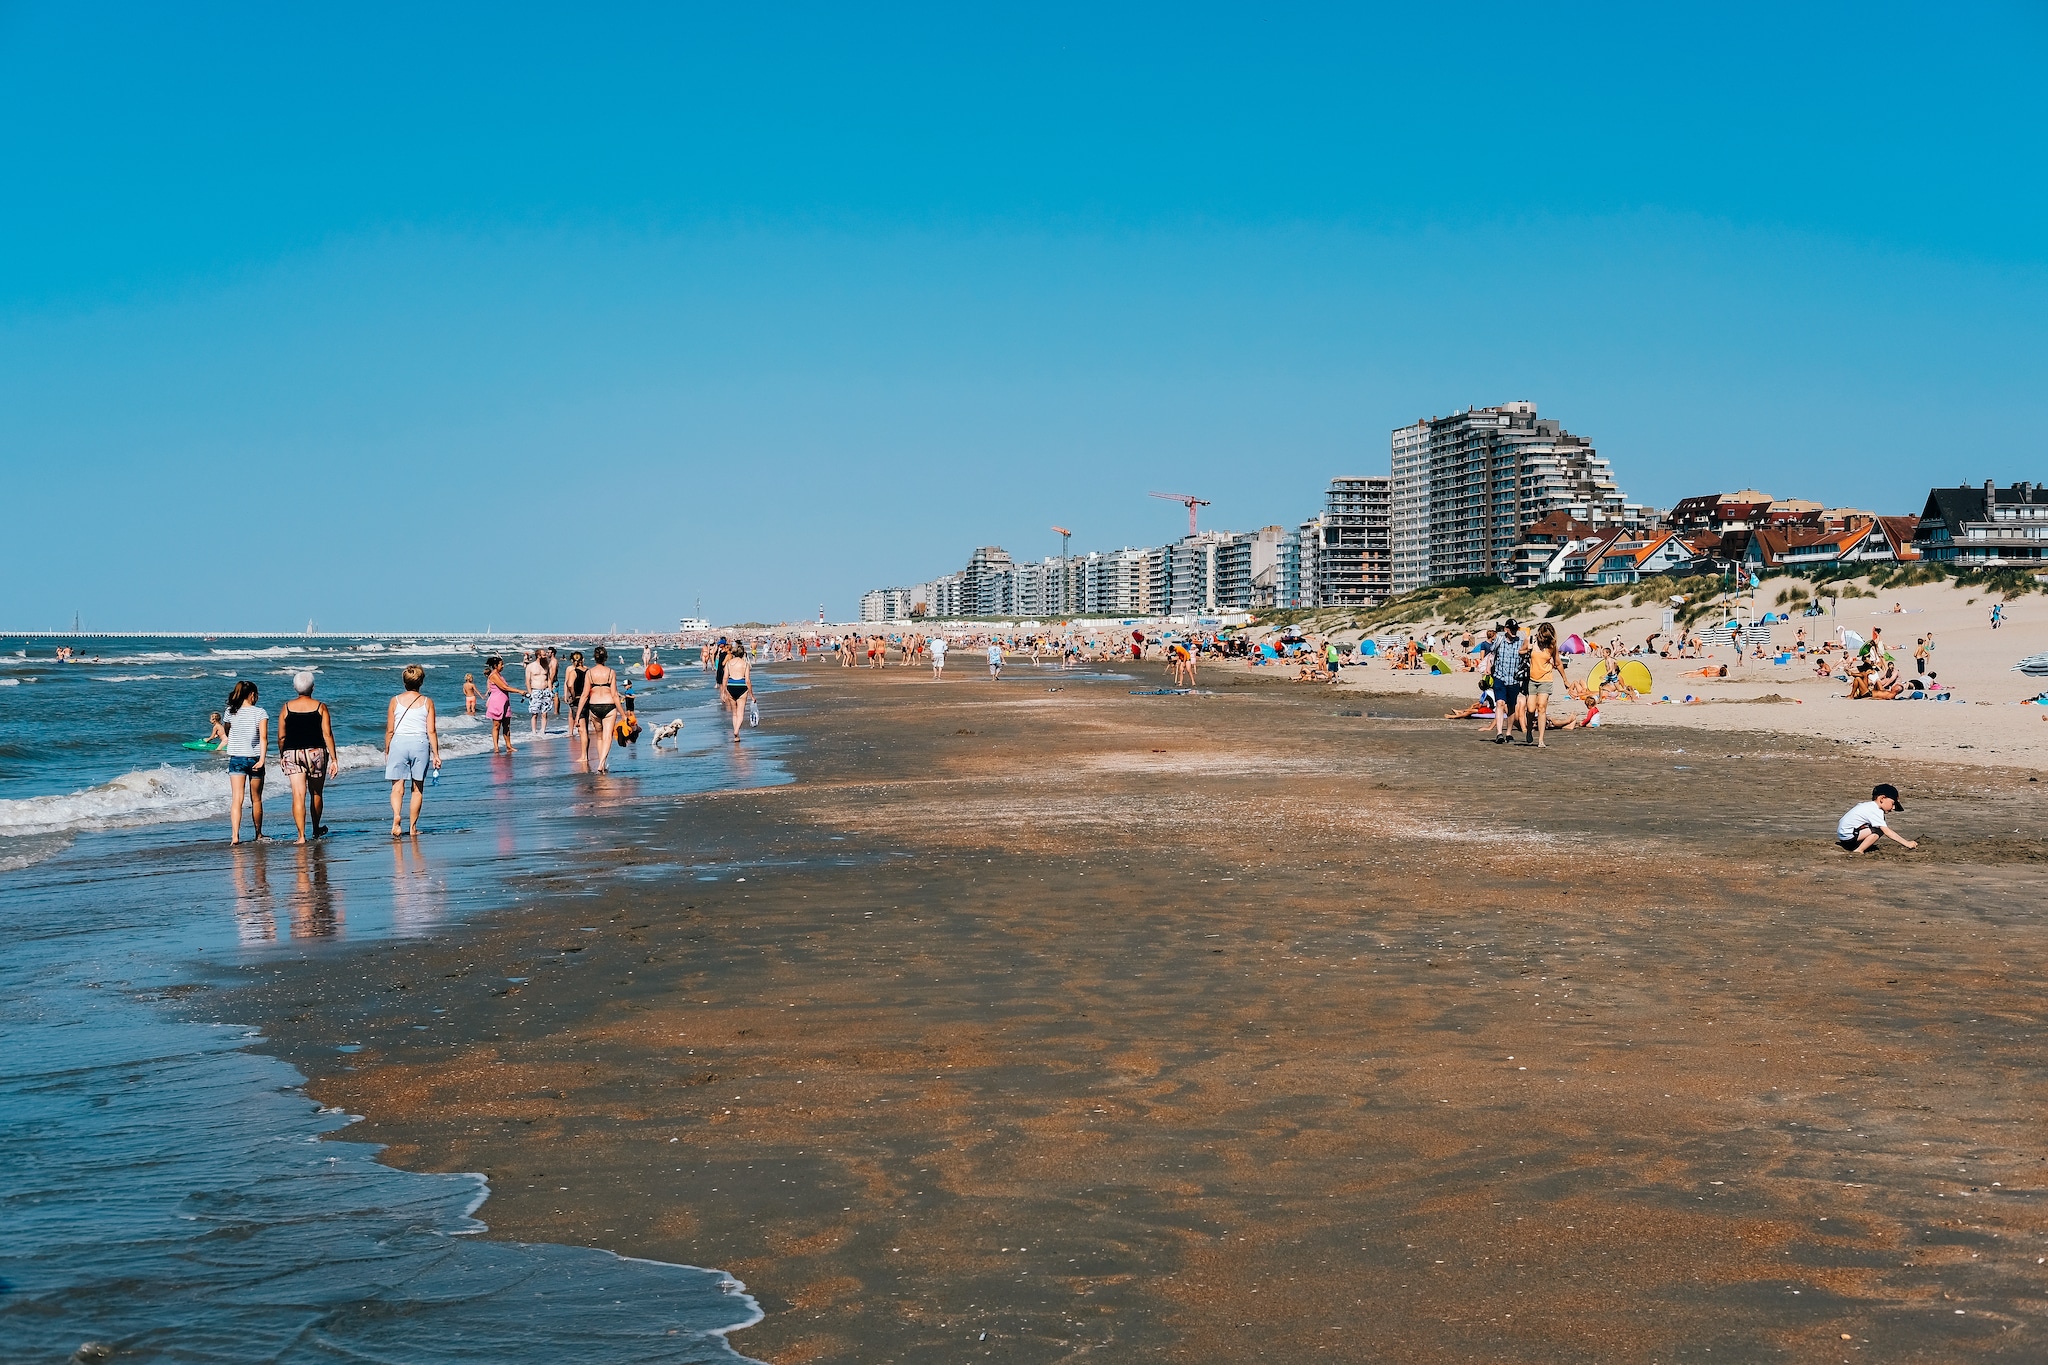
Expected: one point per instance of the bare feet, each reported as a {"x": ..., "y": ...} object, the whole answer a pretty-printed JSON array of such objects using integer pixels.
[{"x": 395, "y": 833}]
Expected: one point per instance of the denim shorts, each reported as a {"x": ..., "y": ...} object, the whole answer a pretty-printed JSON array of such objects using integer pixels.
[
  {"x": 409, "y": 758},
  {"x": 242, "y": 765}
]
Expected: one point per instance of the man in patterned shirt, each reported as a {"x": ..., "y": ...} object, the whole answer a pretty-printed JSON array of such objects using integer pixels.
[{"x": 1509, "y": 673}]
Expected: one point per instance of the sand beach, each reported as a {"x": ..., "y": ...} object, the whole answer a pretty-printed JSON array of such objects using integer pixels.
[
  {"x": 1036, "y": 1020},
  {"x": 1986, "y": 723}
]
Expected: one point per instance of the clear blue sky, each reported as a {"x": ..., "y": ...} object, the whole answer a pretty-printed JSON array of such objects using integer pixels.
[{"x": 422, "y": 317}]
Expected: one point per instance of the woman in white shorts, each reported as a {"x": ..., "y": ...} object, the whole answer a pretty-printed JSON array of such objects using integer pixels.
[{"x": 412, "y": 744}]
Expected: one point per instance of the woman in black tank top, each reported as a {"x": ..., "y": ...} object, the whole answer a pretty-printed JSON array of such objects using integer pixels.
[
  {"x": 575, "y": 676},
  {"x": 305, "y": 750}
]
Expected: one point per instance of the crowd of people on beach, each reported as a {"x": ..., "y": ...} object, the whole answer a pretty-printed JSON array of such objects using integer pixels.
[
  {"x": 1523, "y": 673},
  {"x": 595, "y": 698}
]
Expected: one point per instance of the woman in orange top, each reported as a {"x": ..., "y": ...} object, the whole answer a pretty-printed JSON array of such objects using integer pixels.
[{"x": 1546, "y": 671}]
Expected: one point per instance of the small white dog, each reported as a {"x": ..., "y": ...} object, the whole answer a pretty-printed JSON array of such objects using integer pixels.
[{"x": 668, "y": 731}]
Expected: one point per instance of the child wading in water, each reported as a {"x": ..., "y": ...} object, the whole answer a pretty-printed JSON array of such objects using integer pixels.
[{"x": 469, "y": 693}]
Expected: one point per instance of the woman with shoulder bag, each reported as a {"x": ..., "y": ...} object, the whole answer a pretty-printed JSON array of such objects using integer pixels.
[{"x": 412, "y": 745}]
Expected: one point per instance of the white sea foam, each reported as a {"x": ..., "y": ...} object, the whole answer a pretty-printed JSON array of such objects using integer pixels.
[
  {"x": 167, "y": 794},
  {"x": 147, "y": 797},
  {"x": 12, "y": 682}
]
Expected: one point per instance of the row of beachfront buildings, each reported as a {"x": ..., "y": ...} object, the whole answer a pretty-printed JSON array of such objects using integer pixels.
[{"x": 1492, "y": 494}]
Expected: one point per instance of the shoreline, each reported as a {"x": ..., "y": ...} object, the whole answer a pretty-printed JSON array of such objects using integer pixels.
[{"x": 1092, "y": 1021}]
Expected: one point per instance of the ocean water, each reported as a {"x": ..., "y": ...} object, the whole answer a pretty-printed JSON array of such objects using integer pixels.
[{"x": 166, "y": 1188}]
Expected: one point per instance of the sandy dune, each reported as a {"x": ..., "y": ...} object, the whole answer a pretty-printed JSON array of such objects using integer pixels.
[{"x": 1986, "y": 723}]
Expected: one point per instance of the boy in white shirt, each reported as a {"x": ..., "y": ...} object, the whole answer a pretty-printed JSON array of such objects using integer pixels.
[{"x": 1859, "y": 829}]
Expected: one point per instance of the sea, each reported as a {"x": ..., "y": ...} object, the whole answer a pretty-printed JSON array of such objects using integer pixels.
[{"x": 168, "y": 1192}]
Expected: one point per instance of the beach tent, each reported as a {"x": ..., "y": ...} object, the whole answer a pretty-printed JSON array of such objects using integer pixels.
[
  {"x": 1573, "y": 644},
  {"x": 1851, "y": 640},
  {"x": 2034, "y": 666},
  {"x": 1369, "y": 648}
]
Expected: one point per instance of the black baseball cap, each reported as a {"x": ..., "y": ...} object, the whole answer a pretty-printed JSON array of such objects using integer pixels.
[{"x": 1887, "y": 789}]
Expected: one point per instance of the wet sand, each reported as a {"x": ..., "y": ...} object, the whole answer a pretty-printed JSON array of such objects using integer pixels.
[{"x": 1236, "y": 1027}]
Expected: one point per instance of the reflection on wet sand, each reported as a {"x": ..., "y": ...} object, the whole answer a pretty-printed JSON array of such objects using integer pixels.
[
  {"x": 419, "y": 890},
  {"x": 250, "y": 867},
  {"x": 316, "y": 902}
]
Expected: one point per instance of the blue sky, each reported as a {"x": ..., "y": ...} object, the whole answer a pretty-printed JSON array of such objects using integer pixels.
[{"x": 502, "y": 316}]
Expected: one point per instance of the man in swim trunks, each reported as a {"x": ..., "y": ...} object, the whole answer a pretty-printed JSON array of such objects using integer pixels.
[{"x": 537, "y": 693}]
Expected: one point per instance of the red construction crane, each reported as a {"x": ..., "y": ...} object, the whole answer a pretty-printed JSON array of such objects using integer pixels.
[{"x": 1190, "y": 500}]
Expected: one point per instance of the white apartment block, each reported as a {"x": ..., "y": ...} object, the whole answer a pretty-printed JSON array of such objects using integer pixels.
[
  {"x": 885, "y": 604},
  {"x": 1159, "y": 580},
  {"x": 1039, "y": 588},
  {"x": 943, "y": 600},
  {"x": 1191, "y": 573},
  {"x": 1114, "y": 584},
  {"x": 1465, "y": 487},
  {"x": 1411, "y": 507},
  {"x": 1248, "y": 569},
  {"x": 1308, "y": 555}
]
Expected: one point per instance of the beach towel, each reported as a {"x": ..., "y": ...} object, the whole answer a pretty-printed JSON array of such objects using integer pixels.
[{"x": 2034, "y": 666}]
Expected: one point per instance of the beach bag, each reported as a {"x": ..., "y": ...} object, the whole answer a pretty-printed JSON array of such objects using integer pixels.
[{"x": 753, "y": 711}]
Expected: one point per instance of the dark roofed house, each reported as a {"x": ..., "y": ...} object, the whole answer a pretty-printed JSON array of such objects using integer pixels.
[
  {"x": 1899, "y": 533},
  {"x": 1543, "y": 538},
  {"x": 1810, "y": 547},
  {"x": 1985, "y": 526}
]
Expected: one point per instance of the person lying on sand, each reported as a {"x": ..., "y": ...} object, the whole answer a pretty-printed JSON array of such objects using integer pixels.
[
  {"x": 1860, "y": 829},
  {"x": 1584, "y": 696},
  {"x": 1482, "y": 707}
]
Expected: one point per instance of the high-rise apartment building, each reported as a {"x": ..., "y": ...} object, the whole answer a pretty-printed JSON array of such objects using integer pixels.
[
  {"x": 987, "y": 584},
  {"x": 1191, "y": 569},
  {"x": 1113, "y": 584},
  {"x": 1248, "y": 569},
  {"x": 1411, "y": 507},
  {"x": 1037, "y": 587},
  {"x": 1489, "y": 473},
  {"x": 1287, "y": 570},
  {"x": 1355, "y": 566},
  {"x": 1308, "y": 554}
]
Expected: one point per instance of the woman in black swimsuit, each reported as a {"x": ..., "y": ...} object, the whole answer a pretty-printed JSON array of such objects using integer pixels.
[
  {"x": 575, "y": 677},
  {"x": 600, "y": 699},
  {"x": 739, "y": 680}
]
